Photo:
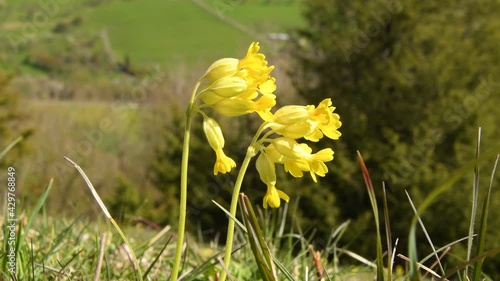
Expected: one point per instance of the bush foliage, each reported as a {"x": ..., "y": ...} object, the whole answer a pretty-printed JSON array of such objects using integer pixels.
[{"x": 408, "y": 79}]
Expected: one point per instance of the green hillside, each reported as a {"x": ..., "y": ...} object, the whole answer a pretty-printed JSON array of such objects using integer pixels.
[{"x": 148, "y": 31}]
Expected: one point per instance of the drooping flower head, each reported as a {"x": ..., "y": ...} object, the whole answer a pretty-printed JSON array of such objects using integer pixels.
[
  {"x": 309, "y": 122},
  {"x": 290, "y": 123},
  {"x": 236, "y": 87},
  {"x": 215, "y": 138},
  {"x": 266, "y": 168},
  {"x": 298, "y": 158}
]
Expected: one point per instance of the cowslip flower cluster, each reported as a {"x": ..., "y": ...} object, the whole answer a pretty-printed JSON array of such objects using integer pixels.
[
  {"x": 234, "y": 87},
  {"x": 291, "y": 123}
]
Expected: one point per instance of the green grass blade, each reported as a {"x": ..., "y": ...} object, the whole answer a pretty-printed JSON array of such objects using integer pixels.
[
  {"x": 134, "y": 260},
  {"x": 373, "y": 201},
  {"x": 283, "y": 269},
  {"x": 283, "y": 213},
  {"x": 433, "y": 254},
  {"x": 483, "y": 226},
  {"x": 231, "y": 216},
  {"x": 427, "y": 236},
  {"x": 63, "y": 266},
  {"x": 473, "y": 213},
  {"x": 387, "y": 234},
  {"x": 10, "y": 146},
  {"x": 461, "y": 266},
  {"x": 155, "y": 239},
  {"x": 32, "y": 252},
  {"x": 156, "y": 259},
  {"x": 255, "y": 237},
  {"x": 441, "y": 188},
  {"x": 38, "y": 207},
  {"x": 259, "y": 235},
  {"x": 59, "y": 239},
  {"x": 205, "y": 266},
  {"x": 20, "y": 267}
]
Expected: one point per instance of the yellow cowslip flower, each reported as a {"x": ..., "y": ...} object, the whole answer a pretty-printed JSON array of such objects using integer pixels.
[
  {"x": 215, "y": 138},
  {"x": 266, "y": 168},
  {"x": 309, "y": 122},
  {"x": 235, "y": 87},
  {"x": 298, "y": 158},
  {"x": 273, "y": 196},
  {"x": 325, "y": 121}
]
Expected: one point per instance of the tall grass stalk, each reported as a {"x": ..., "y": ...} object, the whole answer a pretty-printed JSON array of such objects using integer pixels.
[
  {"x": 373, "y": 201},
  {"x": 10, "y": 146},
  {"x": 440, "y": 189},
  {"x": 390, "y": 255},
  {"x": 135, "y": 261},
  {"x": 475, "y": 194},
  {"x": 484, "y": 222},
  {"x": 427, "y": 236}
]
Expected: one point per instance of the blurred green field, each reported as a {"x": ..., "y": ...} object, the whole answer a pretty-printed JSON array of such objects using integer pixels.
[
  {"x": 164, "y": 32},
  {"x": 174, "y": 31}
]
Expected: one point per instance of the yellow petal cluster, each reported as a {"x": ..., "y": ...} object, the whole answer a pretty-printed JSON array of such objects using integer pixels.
[
  {"x": 298, "y": 158},
  {"x": 293, "y": 122},
  {"x": 309, "y": 122},
  {"x": 215, "y": 138},
  {"x": 236, "y": 87}
]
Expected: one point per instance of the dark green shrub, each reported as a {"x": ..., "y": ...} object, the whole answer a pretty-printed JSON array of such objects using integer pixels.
[{"x": 408, "y": 79}]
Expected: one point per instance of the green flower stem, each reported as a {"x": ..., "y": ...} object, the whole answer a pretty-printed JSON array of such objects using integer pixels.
[
  {"x": 234, "y": 204},
  {"x": 183, "y": 188}
]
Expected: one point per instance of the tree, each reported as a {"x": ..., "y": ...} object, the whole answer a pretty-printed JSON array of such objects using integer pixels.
[{"x": 407, "y": 78}]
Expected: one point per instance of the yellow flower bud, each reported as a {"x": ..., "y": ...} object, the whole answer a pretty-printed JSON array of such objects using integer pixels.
[
  {"x": 213, "y": 133},
  {"x": 234, "y": 106},
  {"x": 290, "y": 148},
  {"x": 266, "y": 168},
  {"x": 237, "y": 106},
  {"x": 221, "y": 68},
  {"x": 237, "y": 87},
  {"x": 294, "y": 131},
  {"x": 215, "y": 138},
  {"x": 290, "y": 114},
  {"x": 267, "y": 172},
  {"x": 226, "y": 87}
]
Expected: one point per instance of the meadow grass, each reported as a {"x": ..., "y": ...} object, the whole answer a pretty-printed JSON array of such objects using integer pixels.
[{"x": 58, "y": 248}]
